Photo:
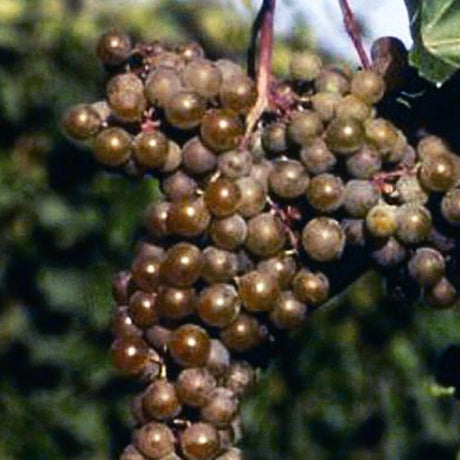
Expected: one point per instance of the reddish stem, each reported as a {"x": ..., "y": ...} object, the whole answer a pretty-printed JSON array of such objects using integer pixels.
[
  {"x": 266, "y": 49},
  {"x": 352, "y": 28},
  {"x": 266, "y": 15}
]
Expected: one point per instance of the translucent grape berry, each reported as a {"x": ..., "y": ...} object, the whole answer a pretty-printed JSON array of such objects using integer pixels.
[{"x": 323, "y": 239}]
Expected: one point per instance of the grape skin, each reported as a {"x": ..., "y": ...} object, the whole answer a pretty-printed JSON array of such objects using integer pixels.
[
  {"x": 326, "y": 192},
  {"x": 317, "y": 157},
  {"x": 323, "y": 239},
  {"x": 450, "y": 206},
  {"x": 414, "y": 223},
  {"x": 360, "y": 197}
]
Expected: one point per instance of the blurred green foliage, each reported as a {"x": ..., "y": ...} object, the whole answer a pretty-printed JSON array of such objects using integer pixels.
[{"x": 356, "y": 384}]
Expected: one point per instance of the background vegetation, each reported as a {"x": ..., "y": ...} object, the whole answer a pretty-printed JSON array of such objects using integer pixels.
[{"x": 358, "y": 383}]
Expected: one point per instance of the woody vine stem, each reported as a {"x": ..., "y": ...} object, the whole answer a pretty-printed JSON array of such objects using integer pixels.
[
  {"x": 352, "y": 28},
  {"x": 263, "y": 26}
]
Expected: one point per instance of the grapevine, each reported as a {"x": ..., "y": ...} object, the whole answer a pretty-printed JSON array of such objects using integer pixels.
[{"x": 276, "y": 194}]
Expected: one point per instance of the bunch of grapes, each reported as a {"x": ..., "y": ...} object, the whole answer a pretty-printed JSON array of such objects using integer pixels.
[{"x": 254, "y": 230}]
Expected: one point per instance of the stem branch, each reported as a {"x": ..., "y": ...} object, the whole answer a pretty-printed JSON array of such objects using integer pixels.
[
  {"x": 263, "y": 27},
  {"x": 351, "y": 26}
]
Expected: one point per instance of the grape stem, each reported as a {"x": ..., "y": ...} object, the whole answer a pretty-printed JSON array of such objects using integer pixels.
[
  {"x": 287, "y": 217},
  {"x": 263, "y": 28},
  {"x": 352, "y": 28}
]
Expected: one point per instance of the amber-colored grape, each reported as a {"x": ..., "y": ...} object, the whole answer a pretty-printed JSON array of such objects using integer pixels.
[
  {"x": 323, "y": 239},
  {"x": 173, "y": 158},
  {"x": 185, "y": 110},
  {"x": 235, "y": 164},
  {"x": 120, "y": 286},
  {"x": 112, "y": 146},
  {"x": 158, "y": 336},
  {"x": 442, "y": 295},
  {"x": 260, "y": 172},
  {"x": 325, "y": 104},
  {"x": 200, "y": 442},
  {"x": 288, "y": 312},
  {"x": 381, "y": 134},
  {"x": 352, "y": 107},
  {"x": 368, "y": 86},
  {"x": 229, "y": 233},
  {"x": 113, "y": 47},
  {"x": 165, "y": 58},
  {"x": 274, "y": 138},
  {"x": 197, "y": 158},
  {"x": 146, "y": 273},
  {"x": 238, "y": 93},
  {"x": 161, "y": 85},
  {"x": 305, "y": 65},
  {"x": 229, "y": 69},
  {"x": 431, "y": 145},
  {"x": 182, "y": 265},
  {"x": 160, "y": 401},
  {"x": 317, "y": 157},
  {"x": 188, "y": 217},
  {"x": 143, "y": 309},
  {"x": 253, "y": 197},
  {"x": 151, "y": 149},
  {"x": 304, "y": 126},
  {"x": 345, "y": 135},
  {"x": 243, "y": 334},
  {"x": 221, "y": 408},
  {"x": 81, "y": 122},
  {"x": 219, "y": 359},
  {"x": 221, "y": 130},
  {"x": 266, "y": 235},
  {"x": 122, "y": 324},
  {"x": 450, "y": 206},
  {"x": 240, "y": 378},
  {"x": 154, "y": 440},
  {"x": 194, "y": 386},
  {"x": 258, "y": 291},
  {"x": 155, "y": 218},
  {"x": 190, "y": 345},
  {"x": 311, "y": 288},
  {"x": 179, "y": 186},
  {"x": 438, "y": 173},
  {"x": 219, "y": 305},
  {"x": 283, "y": 268},
  {"x": 190, "y": 51},
  {"x": 175, "y": 303},
  {"x": 130, "y": 354},
  {"x": 202, "y": 76},
  {"x": 288, "y": 179},
  {"x": 414, "y": 223},
  {"x": 219, "y": 266},
  {"x": 125, "y": 96},
  {"x": 332, "y": 80},
  {"x": 326, "y": 192},
  {"x": 381, "y": 220},
  {"x": 222, "y": 197},
  {"x": 427, "y": 266}
]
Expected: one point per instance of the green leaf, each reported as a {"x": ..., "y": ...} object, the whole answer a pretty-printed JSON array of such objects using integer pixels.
[{"x": 435, "y": 27}]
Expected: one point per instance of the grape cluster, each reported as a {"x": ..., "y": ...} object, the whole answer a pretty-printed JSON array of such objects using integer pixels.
[{"x": 253, "y": 230}]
